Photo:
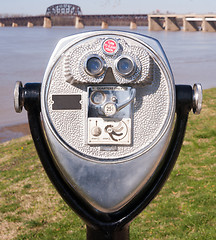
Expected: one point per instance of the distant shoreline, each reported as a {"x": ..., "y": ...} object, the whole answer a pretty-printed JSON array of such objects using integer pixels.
[{"x": 8, "y": 133}]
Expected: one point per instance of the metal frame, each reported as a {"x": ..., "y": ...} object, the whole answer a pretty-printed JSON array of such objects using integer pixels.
[
  {"x": 63, "y": 10},
  {"x": 101, "y": 225},
  {"x": 158, "y": 56}
]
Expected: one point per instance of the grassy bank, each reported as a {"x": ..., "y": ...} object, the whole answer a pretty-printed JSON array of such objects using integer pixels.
[{"x": 30, "y": 207}]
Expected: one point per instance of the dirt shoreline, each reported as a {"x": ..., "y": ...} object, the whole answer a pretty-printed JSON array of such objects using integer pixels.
[{"x": 8, "y": 133}]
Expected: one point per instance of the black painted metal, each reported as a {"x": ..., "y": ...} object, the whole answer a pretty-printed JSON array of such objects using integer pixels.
[
  {"x": 31, "y": 96},
  {"x": 97, "y": 234},
  {"x": 184, "y": 97},
  {"x": 99, "y": 224},
  {"x": 63, "y": 10}
]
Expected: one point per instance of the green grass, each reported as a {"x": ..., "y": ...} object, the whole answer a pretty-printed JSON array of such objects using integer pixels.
[{"x": 30, "y": 207}]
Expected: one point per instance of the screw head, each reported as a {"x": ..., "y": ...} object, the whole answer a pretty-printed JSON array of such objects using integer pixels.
[{"x": 197, "y": 98}]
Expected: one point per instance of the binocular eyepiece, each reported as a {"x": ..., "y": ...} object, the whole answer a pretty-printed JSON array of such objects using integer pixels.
[{"x": 113, "y": 123}]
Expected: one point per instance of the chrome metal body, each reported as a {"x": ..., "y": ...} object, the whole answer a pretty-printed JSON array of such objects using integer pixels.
[{"x": 105, "y": 174}]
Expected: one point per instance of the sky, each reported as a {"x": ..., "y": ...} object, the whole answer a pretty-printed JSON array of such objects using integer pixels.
[{"x": 37, "y": 7}]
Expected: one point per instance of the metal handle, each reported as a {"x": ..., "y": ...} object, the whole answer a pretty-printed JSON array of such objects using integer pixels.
[
  {"x": 18, "y": 97},
  {"x": 105, "y": 222},
  {"x": 27, "y": 96},
  {"x": 197, "y": 98}
]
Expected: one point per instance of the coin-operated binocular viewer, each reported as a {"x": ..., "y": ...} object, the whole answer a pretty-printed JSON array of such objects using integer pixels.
[{"x": 108, "y": 123}]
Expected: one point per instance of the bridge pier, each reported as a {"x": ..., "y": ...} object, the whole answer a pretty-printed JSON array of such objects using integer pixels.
[
  {"x": 14, "y": 24},
  {"x": 189, "y": 25},
  {"x": 104, "y": 25},
  {"x": 2, "y": 24},
  {"x": 29, "y": 24},
  {"x": 171, "y": 24},
  {"x": 154, "y": 23},
  {"x": 209, "y": 25},
  {"x": 79, "y": 23},
  {"x": 133, "y": 25},
  {"x": 47, "y": 22}
]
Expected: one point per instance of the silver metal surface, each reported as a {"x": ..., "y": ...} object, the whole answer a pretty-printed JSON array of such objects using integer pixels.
[
  {"x": 108, "y": 122},
  {"x": 107, "y": 116},
  {"x": 109, "y": 176},
  {"x": 197, "y": 98},
  {"x": 75, "y": 58},
  {"x": 107, "y": 187},
  {"x": 122, "y": 105},
  {"x": 18, "y": 100}
]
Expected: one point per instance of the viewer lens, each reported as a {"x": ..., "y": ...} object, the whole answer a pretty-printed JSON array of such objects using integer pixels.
[
  {"x": 94, "y": 65},
  {"x": 125, "y": 66}
]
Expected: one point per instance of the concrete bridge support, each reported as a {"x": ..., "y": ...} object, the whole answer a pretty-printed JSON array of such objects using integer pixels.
[
  {"x": 79, "y": 23},
  {"x": 189, "y": 25},
  {"x": 14, "y": 24},
  {"x": 47, "y": 22},
  {"x": 154, "y": 24},
  {"x": 29, "y": 24},
  {"x": 104, "y": 25},
  {"x": 2, "y": 24},
  {"x": 209, "y": 26},
  {"x": 133, "y": 25},
  {"x": 171, "y": 24}
]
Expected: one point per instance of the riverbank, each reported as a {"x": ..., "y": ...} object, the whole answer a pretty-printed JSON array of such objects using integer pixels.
[
  {"x": 32, "y": 209},
  {"x": 12, "y": 132}
]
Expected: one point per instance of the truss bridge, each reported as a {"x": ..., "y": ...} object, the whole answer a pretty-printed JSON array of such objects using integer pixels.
[
  {"x": 63, "y": 10},
  {"x": 52, "y": 13}
]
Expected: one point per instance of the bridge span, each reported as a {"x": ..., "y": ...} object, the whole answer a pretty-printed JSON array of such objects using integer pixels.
[
  {"x": 78, "y": 21},
  {"x": 132, "y": 20},
  {"x": 29, "y": 21},
  {"x": 205, "y": 23},
  {"x": 71, "y": 15},
  {"x": 190, "y": 22}
]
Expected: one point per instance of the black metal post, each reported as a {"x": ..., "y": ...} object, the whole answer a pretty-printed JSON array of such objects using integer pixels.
[
  {"x": 102, "y": 226},
  {"x": 97, "y": 234}
]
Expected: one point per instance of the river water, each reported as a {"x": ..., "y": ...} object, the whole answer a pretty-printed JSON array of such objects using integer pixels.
[{"x": 24, "y": 54}]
